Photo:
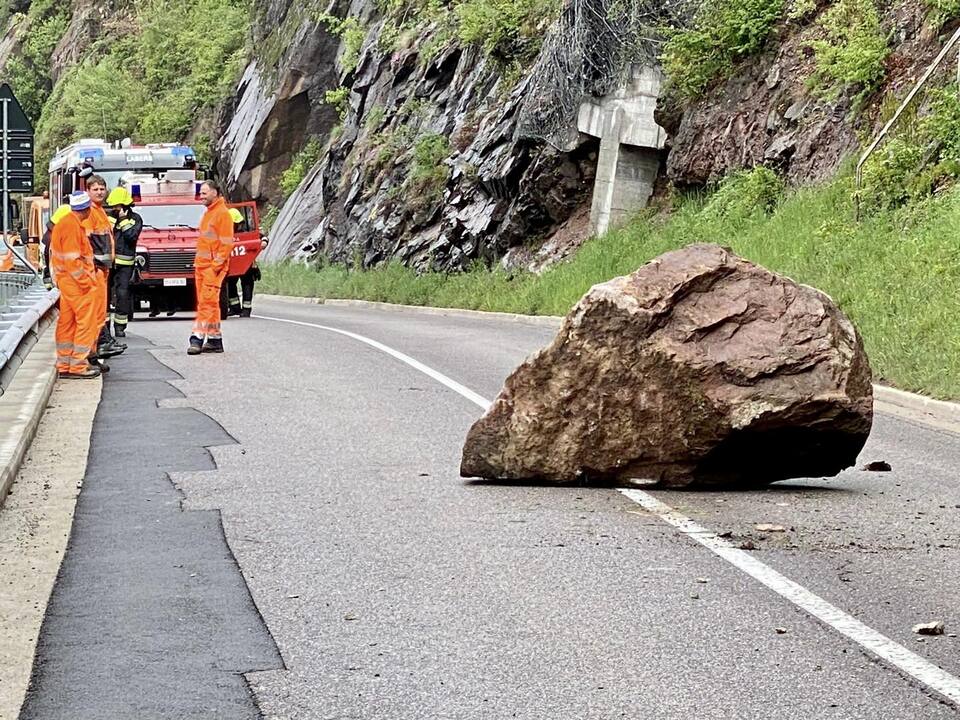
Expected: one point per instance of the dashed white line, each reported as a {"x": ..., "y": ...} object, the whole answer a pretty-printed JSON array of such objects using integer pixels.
[{"x": 888, "y": 650}]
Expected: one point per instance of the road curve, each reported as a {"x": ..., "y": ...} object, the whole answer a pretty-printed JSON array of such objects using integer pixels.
[{"x": 394, "y": 589}]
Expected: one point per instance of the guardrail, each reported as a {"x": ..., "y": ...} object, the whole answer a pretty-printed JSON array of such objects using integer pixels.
[{"x": 25, "y": 310}]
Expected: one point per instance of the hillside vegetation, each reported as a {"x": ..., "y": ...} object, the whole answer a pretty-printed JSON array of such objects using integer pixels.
[
  {"x": 155, "y": 71},
  {"x": 896, "y": 273}
]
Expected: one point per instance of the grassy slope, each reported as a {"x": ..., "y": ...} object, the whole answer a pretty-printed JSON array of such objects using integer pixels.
[{"x": 895, "y": 274}]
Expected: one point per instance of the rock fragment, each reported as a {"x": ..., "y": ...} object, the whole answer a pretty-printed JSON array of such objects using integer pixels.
[{"x": 930, "y": 628}]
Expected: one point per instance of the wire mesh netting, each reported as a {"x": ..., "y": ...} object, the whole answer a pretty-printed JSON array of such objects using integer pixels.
[{"x": 587, "y": 53}]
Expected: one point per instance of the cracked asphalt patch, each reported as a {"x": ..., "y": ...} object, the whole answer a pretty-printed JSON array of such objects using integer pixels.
[{"x": 150, "y": 616}]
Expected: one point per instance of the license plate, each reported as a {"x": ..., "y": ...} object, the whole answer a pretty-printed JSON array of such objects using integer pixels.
[{"x": 174, "y": 282}]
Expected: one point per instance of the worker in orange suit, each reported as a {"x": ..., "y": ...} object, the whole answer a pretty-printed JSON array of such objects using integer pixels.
[
  {"x": 210, "y": 269},
  {"x": 72, "y": 269},
  {"x": 100, "y": 232},
  {"x": 6, "y": 258}
]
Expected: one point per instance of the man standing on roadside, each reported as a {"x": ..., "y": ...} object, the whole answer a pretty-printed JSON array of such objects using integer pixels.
[
  {"x": 210, "y": 268},
  {"x": 72, "y": 269},
  {"x": 101, "y": 240}
]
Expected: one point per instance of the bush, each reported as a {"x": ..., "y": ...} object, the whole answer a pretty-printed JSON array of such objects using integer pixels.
[
  {"x": 428, "y": 174},
  {"x": 723, "y": 32},
  {"x": 922, "y": 159},
  {"x": 351, "y": 34},
  {"x": 508, "y": 30},
  {"x": 301, "y": 164},
  {"x": 339, "y": 100},
  {"x": 745, "y": 194},
  {"x": 853, "y": 50},
  {"x": 940, "y": 11}
]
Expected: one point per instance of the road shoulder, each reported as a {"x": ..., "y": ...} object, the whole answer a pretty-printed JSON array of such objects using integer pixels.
[{"x": 35, "y": 525}]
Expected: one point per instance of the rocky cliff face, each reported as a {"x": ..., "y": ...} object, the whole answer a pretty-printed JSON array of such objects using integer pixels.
[
  {"x": 427, "y": 165},
  {"x": 280, "y": 100},
  {"x": 765, "y": 113},
  {"x": 429, "y": 170}
]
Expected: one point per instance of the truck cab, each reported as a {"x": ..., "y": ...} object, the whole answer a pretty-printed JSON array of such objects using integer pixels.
[{"x": 170, "y": 206}]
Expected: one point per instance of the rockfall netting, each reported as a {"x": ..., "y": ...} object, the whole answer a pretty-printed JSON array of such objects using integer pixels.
[{"x": 586, "y": 53}]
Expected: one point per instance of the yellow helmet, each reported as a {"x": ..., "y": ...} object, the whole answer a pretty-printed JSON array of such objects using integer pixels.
[
  {"x": 236, "y": 216},
  {"x": 59, "y": 214},
  {"x": 119, "y": 196}
]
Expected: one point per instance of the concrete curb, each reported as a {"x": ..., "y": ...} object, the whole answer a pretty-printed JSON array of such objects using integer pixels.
[
  {"x": 939, "y": 413},
  {"x": 22, "y": 406}
]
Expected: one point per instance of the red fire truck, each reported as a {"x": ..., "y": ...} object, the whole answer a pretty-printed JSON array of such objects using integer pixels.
[{"x": 164, "y": 180}]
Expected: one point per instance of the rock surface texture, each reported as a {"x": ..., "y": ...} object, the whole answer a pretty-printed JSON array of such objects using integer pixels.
[{"x": 698, "y": 368}]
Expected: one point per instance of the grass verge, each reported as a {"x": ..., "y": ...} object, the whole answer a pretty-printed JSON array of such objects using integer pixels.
[{"x": 895, "y": 274}]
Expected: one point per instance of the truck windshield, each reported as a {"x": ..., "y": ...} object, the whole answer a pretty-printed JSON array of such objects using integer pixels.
[{"x": 171, "y": 216}]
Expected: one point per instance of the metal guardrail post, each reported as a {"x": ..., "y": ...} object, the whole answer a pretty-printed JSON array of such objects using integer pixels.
[{"x": 903, "y": 106}]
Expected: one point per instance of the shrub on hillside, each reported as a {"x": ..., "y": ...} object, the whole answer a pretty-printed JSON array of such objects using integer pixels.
[
  {"x": 722, "y": 32},
  {"x": 300, "y": 166},
  {"x": 428, "y": 173},
  {"x": 746, "y": 193},
  {"x": 853, "y": 50},
  {"x": 922, "y": 159}
]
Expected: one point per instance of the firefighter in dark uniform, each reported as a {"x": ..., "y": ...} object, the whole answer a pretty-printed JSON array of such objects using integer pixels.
[
  {"x": 126, "y": 230},
  {"x": 244, "y": 307}
]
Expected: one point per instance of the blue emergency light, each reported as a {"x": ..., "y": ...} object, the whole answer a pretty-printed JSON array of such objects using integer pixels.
[{"x": 135, "y": 192}]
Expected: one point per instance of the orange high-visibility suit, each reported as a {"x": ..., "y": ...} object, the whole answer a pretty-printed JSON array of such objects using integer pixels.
[
  {"x": 210, "y": 268},
  {"x": 101, "y": 240},
  {"x": 71, "y": 266},
  {"x": 6, "y": 258}
]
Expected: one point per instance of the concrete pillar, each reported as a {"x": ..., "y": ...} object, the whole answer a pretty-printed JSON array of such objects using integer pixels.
[
  {"x": 630, "y": 141},
  {"x": 605, "y": 184},
  {"x": 637, "y": 170}
]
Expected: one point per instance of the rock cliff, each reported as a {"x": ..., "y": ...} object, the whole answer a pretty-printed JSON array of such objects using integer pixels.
[{"x": 427, "y": 165}]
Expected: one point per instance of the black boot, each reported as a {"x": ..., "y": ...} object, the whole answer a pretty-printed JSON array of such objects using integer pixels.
[
  {"x": 119, "y": 331},
  {"x": 213, "y": 345},
  {"x": 110, "y": 349},
  {"x": 246, "y": 312},
  {"x": 196, "y": 345}
]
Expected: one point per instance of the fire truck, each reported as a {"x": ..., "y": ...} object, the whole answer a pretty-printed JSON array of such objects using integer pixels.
[{"x": 164, "y": 179}]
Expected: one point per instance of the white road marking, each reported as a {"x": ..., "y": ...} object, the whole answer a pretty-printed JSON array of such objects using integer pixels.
[
  {"x": 883, "y": 647},
  {"x": 416, "y": 364},
  {"x": 871, "y": 640}
]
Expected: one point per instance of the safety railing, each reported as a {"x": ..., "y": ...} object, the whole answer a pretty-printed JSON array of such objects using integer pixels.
[
  {"x": 26, "y": 308},
  {"x": 954, "y": 39}
]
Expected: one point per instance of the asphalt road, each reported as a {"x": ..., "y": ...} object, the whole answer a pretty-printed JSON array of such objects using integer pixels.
[{"x": 394, "y": 589}]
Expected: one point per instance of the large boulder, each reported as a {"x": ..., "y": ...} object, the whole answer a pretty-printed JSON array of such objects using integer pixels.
[{"x": 700, "y": 367}]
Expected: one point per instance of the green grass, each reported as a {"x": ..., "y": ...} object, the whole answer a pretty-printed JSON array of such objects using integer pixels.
[{"x": 895, "y": 274}]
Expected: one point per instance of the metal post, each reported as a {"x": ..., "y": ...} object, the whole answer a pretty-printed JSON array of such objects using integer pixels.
[{"x": 6, "y": 188}]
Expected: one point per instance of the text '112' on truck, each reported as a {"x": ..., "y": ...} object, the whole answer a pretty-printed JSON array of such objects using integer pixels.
[{"x": 164, "y": 179}]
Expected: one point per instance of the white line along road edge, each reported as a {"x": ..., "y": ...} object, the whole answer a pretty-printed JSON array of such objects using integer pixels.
[{"x": 883, "y": 647}]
